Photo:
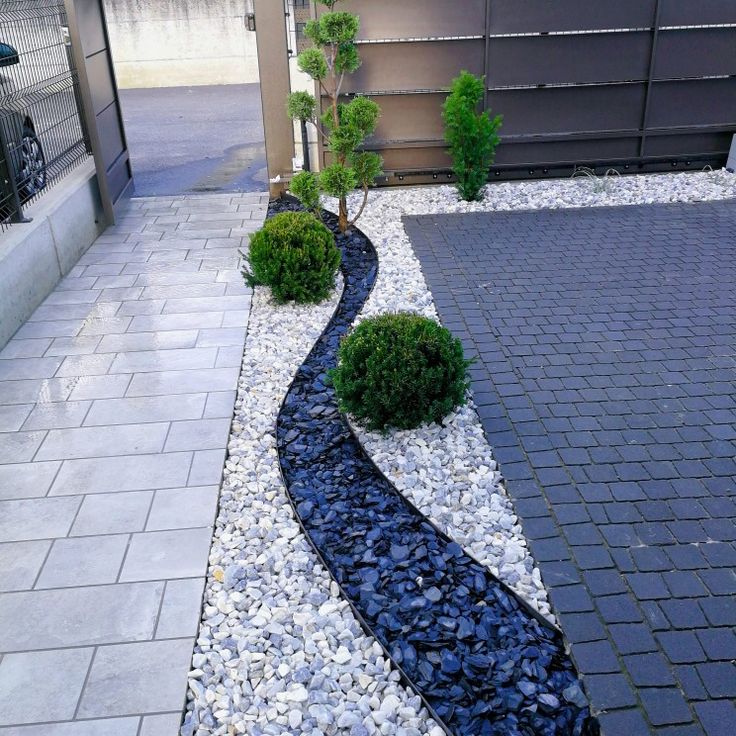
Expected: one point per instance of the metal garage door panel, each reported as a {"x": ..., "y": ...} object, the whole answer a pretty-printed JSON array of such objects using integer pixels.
[
  {"x": 564, "y": 152},
  {"x": 410, "y": 117},
  {"x": 539, "y": 16},
  {"x": 91, "y": 26},
  {"x": 600, "y": 57},
  {"x": 565, "y": 109},
  {"x": 697, "y": 12},
  {"x": 692, "y": 53},
  {"x": 693, "y": 102},
  {"x": 100, "y": 82},
  {"x": 419, "y": 18},
  {"x": 395, "y": 67}
]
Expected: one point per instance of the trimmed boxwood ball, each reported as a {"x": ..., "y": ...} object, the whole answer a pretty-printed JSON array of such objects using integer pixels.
[
  {"x": 400, "y": 370},
  {"x": 295, "y": 255}
]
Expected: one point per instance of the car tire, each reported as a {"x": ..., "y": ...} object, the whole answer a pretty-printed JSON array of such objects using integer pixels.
[{"x": 31, "y": 176}]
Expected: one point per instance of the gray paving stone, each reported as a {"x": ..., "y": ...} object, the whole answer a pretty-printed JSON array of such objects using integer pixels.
[
  {"x": 131, "y": 341},
  {"x": 100, "y": 387},
  {"x": 207, "y": 467},
  {"x": 80, "y": 345},
  {"x": 83, "y": 616},
  {"x": 183, "y": 321},
  {"x": 183, "y": 381},
  {"x": 13, "y": 416},
  {"x": 220, "y": 404},
  {"x": 126, "y": 473},
  {"x": 166, "y": 724},
  {"x": 23, "y": 368},
  {"x": 180, "y": 610},
  {"x": 37, "y": 518},
  {"x": 25, "y": 348},
  {"x": 147, "y": 677},
  {"x": 167, "y": 554},
  {"x": 58, "y": 415},
  {"x": 198, "y": 434},
  {"x": 27, "y": 480},
  {"x": 147, "y": 409},
  {"x": 19, "y": 447},
  {"x": 182, "y": 508},
  {"x": 113, "y": 513},
  {"x": 164, "y": 360},
  {"x": 41, "y": 686},
  {"x": 83, "y": 561},
  {"x": 32, "y": 390},
  {"x": 97, "y": 727},
  {"x": 87, "y": 442},
  {"x": 20, "y": 563}
]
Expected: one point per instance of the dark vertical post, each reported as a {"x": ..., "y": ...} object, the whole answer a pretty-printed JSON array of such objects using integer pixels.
[
  {"x": 652, "y": 62},
  {"x": 305, "y": 146},
  {"x": 486, "y": 53}
]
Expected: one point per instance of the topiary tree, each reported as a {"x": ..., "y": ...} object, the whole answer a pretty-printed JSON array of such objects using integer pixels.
[
  {"x": 471, "y": 135},
  {"x": 343, "y": 126}
]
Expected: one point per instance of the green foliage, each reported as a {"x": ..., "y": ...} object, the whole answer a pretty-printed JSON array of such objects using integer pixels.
[
  {"x": 313, "y": 63},
  {"x": 337, "y": 180},
  {"x": 471, "y": 135},
  {"x": 368, "y": 166},
  {"x": 295, "y": 255},
  {"x": 400, "y": 370},
  {"x": 305, "y": 187},
  {"x": 301, "y": 106},
  {"x": 344, "y": 127}
]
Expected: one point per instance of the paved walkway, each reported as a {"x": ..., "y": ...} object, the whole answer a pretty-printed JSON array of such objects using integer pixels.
[
  {"x": 606, "y": 383},
  {"x": 116, "y": 399}
]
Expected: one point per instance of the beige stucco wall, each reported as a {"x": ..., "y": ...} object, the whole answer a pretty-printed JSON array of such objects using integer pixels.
[{"x": 172, "y": 43}]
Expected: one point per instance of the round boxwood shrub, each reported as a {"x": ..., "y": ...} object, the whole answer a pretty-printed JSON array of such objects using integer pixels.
[
  {"x": 400, "y": 370},
  {"x": 295, "y": 255}
]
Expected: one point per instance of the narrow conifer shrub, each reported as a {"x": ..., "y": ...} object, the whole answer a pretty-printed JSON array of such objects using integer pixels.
[
  {"x": 400, "y": 371},
  {"x": 472, "y": 136},
  {"x": 295, "y": 256}
]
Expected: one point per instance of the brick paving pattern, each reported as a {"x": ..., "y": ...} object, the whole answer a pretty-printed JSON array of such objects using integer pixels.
[
  {"x": 606, "y": 383},
  {"x": 116, "y": 400}
]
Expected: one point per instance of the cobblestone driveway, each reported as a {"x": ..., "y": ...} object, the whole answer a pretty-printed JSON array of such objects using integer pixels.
[{"x": 606, "y": 382}]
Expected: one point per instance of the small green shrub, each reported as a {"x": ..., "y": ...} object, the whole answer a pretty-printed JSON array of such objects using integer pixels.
[
  {"x": 471, "y": 135},
  {"x": 400, "y": 370},
  {"x": 294, "y": 255},
  {"x": 305, "y": 187}
]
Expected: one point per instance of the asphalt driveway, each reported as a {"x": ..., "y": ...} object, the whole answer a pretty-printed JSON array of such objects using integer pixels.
[
  {"x": 188, "y": 140},
  {"x": 606, "y": 382}
]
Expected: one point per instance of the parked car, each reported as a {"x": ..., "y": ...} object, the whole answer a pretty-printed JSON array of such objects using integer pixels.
[{"x": 18, "y": 131}]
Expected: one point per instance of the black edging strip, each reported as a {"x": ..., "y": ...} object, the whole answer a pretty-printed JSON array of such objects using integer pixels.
[{"x": 504, "y": 669}]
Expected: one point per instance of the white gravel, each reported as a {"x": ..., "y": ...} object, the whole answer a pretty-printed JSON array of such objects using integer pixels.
[
  {"x": 279, "y": 651},
  {"x": 449, "y": 473}
]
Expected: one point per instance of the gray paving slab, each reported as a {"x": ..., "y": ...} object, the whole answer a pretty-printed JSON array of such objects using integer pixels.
[
  {"x": 605, "y": 382},
  {"x": 105, "y": 532},
  {"x": 42, "y": 686},
  {"x": 145, "y": 677}
]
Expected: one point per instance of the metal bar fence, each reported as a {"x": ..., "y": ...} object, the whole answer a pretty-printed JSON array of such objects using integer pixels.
[{"x": 42, "y": 134}]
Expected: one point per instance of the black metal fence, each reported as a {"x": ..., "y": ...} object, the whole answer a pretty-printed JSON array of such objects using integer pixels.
[{"x": 42, "y": 133}]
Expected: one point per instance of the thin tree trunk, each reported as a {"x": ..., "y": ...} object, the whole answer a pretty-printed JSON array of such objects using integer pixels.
[{"x": 343, "y": 215}]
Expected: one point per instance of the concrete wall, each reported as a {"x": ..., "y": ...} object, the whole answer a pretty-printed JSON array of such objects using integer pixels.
[
  {"x": 35, "y": 256},
  {"x": 176, "y": 43}
]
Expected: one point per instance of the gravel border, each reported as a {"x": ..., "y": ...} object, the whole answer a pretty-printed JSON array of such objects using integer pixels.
[
  {"x": 279, "y": 651},
  {"x": 449, "y": 472}
]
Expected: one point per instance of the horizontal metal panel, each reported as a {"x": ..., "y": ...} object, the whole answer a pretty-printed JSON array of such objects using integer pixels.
[
  {"x": 607, "y": 57},
  {"x": 578, "y": 151},
  {"x": 410, "y": 117},
  {"x": 410, "y": 66},
  {"x": 419, "y": 18},
  {"x": 91, "y": 26},
  {"x": 687, "y": 144},
  {"x": 569, "y": 109},
  {"x": 693, "y": 53},
  {"x": 693, "y": 102},
  {"x": 539, "y": 16},
  {"x": 697, "y": 12},
  {"x": 425, "y": 159}
]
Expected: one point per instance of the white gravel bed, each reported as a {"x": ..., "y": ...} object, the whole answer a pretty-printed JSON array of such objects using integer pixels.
[
  {"x": 449, "y": 473},
  {"x": 279, "y": 651}
]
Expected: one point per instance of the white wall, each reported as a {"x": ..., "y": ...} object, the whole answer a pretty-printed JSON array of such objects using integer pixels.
[{"x": 176, "y": 43}]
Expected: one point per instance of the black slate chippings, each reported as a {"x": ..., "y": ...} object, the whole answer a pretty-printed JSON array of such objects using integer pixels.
[{"x": 483, "y": 660}]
